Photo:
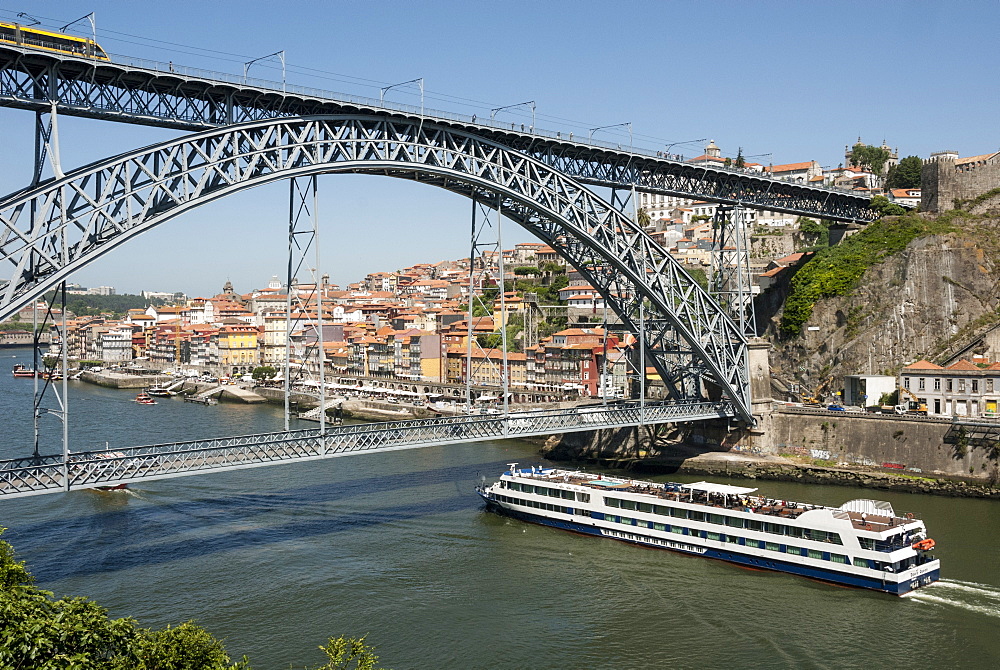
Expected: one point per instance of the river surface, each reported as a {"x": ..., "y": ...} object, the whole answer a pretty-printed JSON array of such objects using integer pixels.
[{"x": 397, "y": 545}]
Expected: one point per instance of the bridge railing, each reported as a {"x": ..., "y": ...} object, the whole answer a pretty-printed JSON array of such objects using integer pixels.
[
  {"x": 24, "y": 476},
  {"x": 325, "y": 94}
]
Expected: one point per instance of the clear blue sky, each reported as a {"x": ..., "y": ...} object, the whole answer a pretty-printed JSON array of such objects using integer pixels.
[{"x": 798, "y": 80}]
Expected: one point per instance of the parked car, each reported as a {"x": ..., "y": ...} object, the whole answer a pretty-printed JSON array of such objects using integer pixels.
[{"x": 836, "y": 408}]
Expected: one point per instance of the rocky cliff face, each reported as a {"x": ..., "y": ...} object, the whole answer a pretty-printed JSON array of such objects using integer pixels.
[{"x": 925, "y": 302}]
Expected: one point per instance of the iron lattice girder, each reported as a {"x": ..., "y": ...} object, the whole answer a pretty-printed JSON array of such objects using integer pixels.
[
  {"x": 95, "y": 208},
  {"x": 32, "y": 80},
  {"x": 48, "y": 474}
]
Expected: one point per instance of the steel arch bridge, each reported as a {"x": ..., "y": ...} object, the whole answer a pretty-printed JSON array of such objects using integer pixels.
[{"x": 48, "y": 232}]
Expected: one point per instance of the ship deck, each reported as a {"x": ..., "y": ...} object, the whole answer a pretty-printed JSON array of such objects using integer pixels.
[{"x": 741, "y": 502}]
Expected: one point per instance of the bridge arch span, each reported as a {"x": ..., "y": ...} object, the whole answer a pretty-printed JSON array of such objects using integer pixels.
[{"x": 48, "y": 232}]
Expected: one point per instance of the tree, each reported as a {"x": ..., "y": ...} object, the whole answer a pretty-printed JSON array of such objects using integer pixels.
[
  {"x": 526, "y": 271},
  {"x": 883, "y": 207},
  {"x": 643, "y": 217},
  {"x": 906, "y": 174},
  {"x": 264, "y": 372},
  {"x": 740, "y": 161},
  {"x": 349, "y": 653},
  {"x": 869, "y": 157}
]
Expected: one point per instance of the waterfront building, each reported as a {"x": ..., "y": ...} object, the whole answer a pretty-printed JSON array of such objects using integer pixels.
[{"x": 965, "y": 388}]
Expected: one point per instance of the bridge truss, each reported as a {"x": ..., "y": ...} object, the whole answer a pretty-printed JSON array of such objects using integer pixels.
[
  {"x": 162, "y": 94},
  {"x": 82, "y": 470},
  {"x": 61, "y": 225}
]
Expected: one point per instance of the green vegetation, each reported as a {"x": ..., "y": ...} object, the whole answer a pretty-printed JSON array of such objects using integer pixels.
[
  {"x": 816, "y": 232},
  {"x": 264, "y": 372},
  {"x": 740, "y": 162},
  {"x": 906, "y": 174},
  {"x": 95, "y": 305},
  {"x": 978, "y": 200},
  {"x": 643, "y": 218},
  {"x": 869, "y": 157},
  {"x": 836, "y": 271},
  {"x": 15, "y": 325},
  {"x": 698, "y": 274},
  {"x": 41, "y": 632}
]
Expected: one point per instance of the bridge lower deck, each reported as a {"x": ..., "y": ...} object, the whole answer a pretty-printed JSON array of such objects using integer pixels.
[{"x": 81, "y": 470}]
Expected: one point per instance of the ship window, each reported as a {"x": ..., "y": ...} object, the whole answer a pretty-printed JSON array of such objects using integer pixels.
[
  {"x": 793, "y": 550},
  {"x": 772, "y": 546},
  {"x": 659, "y": 526},
  {"x": 628, "y": 504},
  {"x": 815, "y": 554},
  {"x": 776, "y": 528},
  {"x": 838, "y": 558},
  {"x": 712, "y": 536},
  {"x": 677, "y": 529},
  {"x": 867, "y": 543},
  {"x": 753, "y": 524},
  {"x": 734, "y": 521},
  {"x": 612, "y": 502},
  {"x": 835, "y": 538},
  {"x": 717, "y": 518},
  {"x": 678, "y": 512},
  {"x": 732, "y": 539},
  {"x": 583, "y": 497},
  {"x": 642, "y": 524},
  {"x": 697, "y": 516},
  {"x": 514, "y": 486},
  {"x": 752, "y": 543},
  {"x": 645, "y": 507},
  {"x": 566, "y": 495},
  {"x": 659, "y": 509},
  {"x": 861, "y": 562},
  {"x": 527, "y": 488},
  {"x": 625, "y": 520}
]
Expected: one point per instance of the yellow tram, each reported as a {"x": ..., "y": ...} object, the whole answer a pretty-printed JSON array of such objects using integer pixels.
[{"x": 47, "y": 40}]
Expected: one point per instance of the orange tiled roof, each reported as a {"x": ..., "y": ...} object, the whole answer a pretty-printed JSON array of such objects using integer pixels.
[
  {"x": 924, "y": 365},
  {"x": 962, "y": 365}
]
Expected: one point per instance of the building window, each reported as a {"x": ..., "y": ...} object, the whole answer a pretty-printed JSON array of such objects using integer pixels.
[
  {"x": 975, "y": 386},
  {"x": 949, "y": 385},
  {"x": 920, "y": 384},
  {"x": 906, "y": 383},
  {"x": 961, "y": 386},
  {"x": 937, "y": 384},
  {"x": 989, "y": 385}
]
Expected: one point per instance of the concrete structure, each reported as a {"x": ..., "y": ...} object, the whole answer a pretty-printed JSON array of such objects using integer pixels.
[
  {"x": 962, "y": 389},
  {"x": 865, "y": 390}
]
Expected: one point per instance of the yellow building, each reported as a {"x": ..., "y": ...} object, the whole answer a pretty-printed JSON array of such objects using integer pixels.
[{"x": 239, "y": 350}]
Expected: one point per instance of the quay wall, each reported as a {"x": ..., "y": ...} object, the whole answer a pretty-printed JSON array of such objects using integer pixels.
[
  {"x": 871, "y": 443},
  {"x": 119, "y": 381}
]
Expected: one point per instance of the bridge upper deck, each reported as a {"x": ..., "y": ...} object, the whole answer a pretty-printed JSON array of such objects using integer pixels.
[{"x": 166, "y": 95}]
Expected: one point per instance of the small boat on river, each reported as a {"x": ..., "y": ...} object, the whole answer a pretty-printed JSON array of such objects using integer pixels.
[
  {"x": 23, "y": 371},
  {"x": 145, "y": 399},
  {"x": 862, "y": 543}
]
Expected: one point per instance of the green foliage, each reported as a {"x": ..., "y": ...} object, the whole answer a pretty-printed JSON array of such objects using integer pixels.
[
  {"x": 818, "y": 232},
  {"x": 883, "y": 207},
  {"x": 699, "y": 275},
  {"x": 43, "y": 633},
  {"x": 15, "y": 325},
  {"x": 970, "y": 204},
  {"x": 867, "y": 156},
  {"x": 643, "y": 218},
  {"x": 698, "y": 218},
  {"x": 835, "y": 271},
  {"x": 95, "y": 305},
  {"x": 478, "y": 309},
  {"x": 526, "y": 270},
  {"x": 906, "y": 174},
  {"x": 553, "y": 268},
  {"x": 264, "y": 372},
  {"x": 740, "y": 162},
  {"x": 349, "y": 653}
]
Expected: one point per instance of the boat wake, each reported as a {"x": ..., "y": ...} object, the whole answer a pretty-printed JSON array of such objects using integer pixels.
[{"x": 970, "y": 596}]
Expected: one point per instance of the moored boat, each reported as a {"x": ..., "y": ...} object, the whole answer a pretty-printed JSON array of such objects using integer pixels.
[
  {"x": 160, "y": 392},
  {"x": 862, "y": 543},
  {"x": 23, "y": 371}
]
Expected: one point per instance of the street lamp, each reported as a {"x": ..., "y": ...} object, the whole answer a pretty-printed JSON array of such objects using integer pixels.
[
  {"x": 418, "y": 80},
  {"x": 281, "y": 57},
  {"x": 627, "y": 124},
  {"x": 493, "y": 112},
  {"x": 674, "y": 144}
]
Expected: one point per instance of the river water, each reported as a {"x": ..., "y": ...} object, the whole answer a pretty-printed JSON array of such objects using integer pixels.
[{"x": 397, "y": 545}]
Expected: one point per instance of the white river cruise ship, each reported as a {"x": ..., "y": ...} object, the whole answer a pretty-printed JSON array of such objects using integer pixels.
[{"x": 862, "y": 543}]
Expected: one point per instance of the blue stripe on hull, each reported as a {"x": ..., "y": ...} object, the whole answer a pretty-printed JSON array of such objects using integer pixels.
[{"x": 761, "y": 563}]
